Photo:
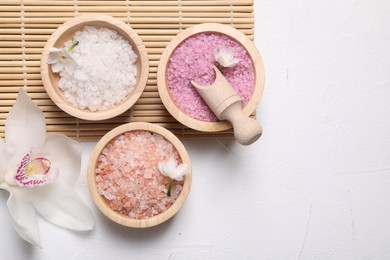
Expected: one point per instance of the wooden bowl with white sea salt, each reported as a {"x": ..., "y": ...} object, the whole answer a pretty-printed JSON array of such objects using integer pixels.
[
  {"x": 190, "y": 56},
  {"x": 127, "y": 175},
  {"x": 94, "y": 67}
]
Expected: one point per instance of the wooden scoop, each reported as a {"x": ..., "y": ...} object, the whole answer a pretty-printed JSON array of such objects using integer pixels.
[{"x": 227, "y": 105}]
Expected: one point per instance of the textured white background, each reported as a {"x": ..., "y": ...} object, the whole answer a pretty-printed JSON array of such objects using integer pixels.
[{"x": 316, "y": 185}]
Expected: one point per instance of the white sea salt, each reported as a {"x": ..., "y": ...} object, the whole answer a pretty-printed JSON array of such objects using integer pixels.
[{"x": 106, "y": 71}]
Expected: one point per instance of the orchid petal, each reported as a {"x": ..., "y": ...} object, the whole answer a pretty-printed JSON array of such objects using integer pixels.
[
  {"x": 2, "y": 156},
  {"x": 70, "y": 65},
  {"x": 25, "y": 128},
  {"x": 223, "y": 52},
  {"x": 24, "y": 217},
  {"x": 5, "y": 186},
  {"x": 58, "y": 66},
  {"x": 167, "y": 171},
  {"x": 60, "y": 204},
  {"x": 232, "y": 63},
  {"x": 54, "y": 49},
  {"x": 161, "y": 168},
  {"x": 65, "y": 155},
  {"x": 182, "y": 170},
  {"x": 53, "y": 57},
  {"x": 229, "y": 53},
  {"x": 171, "y": 165}
]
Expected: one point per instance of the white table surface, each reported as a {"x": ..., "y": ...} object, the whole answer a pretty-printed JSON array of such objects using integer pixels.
[{"x": 316, "y": 185}]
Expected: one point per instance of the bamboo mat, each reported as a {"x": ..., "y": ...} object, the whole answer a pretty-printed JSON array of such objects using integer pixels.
[{"x": 25, "y": 26}]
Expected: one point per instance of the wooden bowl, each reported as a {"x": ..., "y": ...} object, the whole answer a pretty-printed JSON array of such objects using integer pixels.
[
  {"x": 100, "y": 201},
  {"x": 65, "y": 33},
  {"x": 208, "y": 28}
]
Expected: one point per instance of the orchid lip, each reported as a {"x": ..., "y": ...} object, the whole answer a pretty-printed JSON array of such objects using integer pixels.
[{"x": 34, "y": 172}]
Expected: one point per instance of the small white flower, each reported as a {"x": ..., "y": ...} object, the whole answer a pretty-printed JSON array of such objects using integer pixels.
[
  {"x": 61, "y": 58},
  {"x": 38, "y": 170},
  {"x": 225, "y": 57},
  {"x": 173, "y": 171}
]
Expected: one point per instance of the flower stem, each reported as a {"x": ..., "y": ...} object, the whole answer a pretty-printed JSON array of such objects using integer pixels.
[
  {"x": 72, "y": 46},
  {"x": 169, "y": 187}
]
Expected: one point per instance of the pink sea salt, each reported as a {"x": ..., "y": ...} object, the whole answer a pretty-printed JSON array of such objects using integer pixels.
[
  {"x": 193, "y": 60},
  {"x": 128, "y": 178}
]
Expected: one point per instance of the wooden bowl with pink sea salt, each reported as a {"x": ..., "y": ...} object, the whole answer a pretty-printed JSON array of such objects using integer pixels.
[
  {"x": 191, "y": 56},
  {"x": 124, "y": 175},
  {"x": 109, "y": 71}
]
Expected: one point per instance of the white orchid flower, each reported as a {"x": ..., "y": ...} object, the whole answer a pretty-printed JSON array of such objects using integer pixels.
[
  {"x": 61, "y": 58},
  {"x": 173, "y": 171},
  {"x": 225, "y": 57},
  {"x": 38, "y": 171}
]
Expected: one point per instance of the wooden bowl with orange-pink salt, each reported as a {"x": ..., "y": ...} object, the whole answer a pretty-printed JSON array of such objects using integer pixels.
[{"x": 125, "y": 182}]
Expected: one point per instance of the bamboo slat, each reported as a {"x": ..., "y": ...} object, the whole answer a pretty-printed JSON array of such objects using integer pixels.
[
  {"x": 133, "y": 3},
  {"x": 130, "y": 8},
  {"x": 134, "y": 26},
  {"x": 26, "y": 25}
]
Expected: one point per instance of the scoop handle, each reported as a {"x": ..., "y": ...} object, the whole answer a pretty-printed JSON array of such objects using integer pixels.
[
  {"x": 223, "y": 100},
  {"x": 246, "y": 130}
]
